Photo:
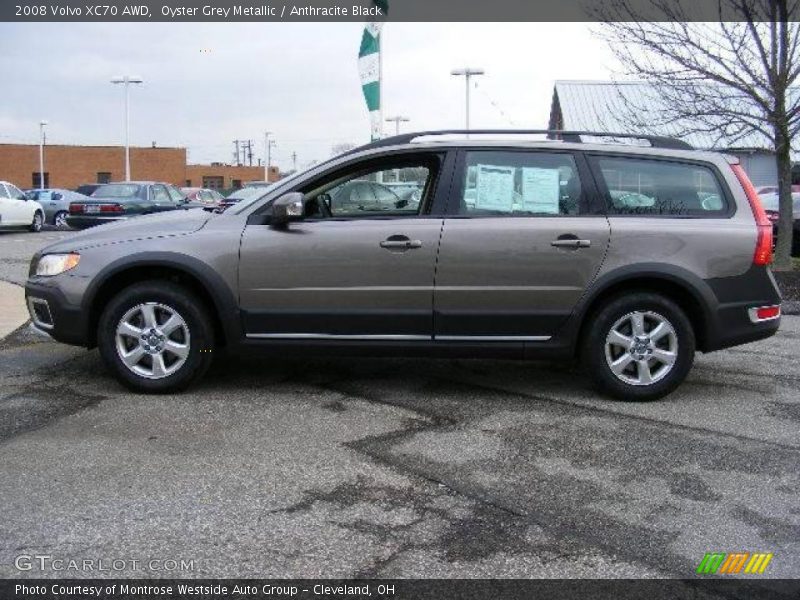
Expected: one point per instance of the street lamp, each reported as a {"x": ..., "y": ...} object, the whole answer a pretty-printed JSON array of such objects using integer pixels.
[
  {"x": 42, "y": 123},
  {"x": 397, "y": 120},
  {"x": 466, "y": 73},
  {"x": 127, "y": 80}
]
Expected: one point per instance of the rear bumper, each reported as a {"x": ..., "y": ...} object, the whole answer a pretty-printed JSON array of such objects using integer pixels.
[
  {"x": 51, "y": 313},
  {"x": 84, "y": 222},
  {"x": 730, "y": 323}
]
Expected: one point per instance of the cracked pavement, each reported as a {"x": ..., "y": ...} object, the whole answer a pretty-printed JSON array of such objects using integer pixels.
[{"x": 399, "y": 468}]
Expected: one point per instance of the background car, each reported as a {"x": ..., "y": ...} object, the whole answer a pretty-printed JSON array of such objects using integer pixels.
[
  {"x": 17, "y": 210},
  {"x": 258, "y": 184},
  {"x": 203, "y": 197},
  {"x": 770, "y": 204},
  {"x": 87, "y": 189},
  {"x": 55, "y": 203},
  {"x": 116, "y": 201},
  {"x": 245, "y": 194}
]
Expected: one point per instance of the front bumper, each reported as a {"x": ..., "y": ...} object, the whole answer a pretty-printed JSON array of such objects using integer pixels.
[
  {"x": 52, "y": 313},
  {"x": 86, "y": 221}
]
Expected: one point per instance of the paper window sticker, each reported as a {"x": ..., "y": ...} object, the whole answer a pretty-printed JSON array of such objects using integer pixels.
[
  {"x": 540, "y": 190},
  {"x": 494, "y": 188}
]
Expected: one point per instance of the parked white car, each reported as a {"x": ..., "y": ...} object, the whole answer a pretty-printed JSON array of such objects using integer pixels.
[{"x": 17, "y": 211}]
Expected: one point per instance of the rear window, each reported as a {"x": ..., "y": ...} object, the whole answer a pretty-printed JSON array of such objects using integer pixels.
[
  {"x": 117, "y": 190},
  {"x": 655, "y": 187}
]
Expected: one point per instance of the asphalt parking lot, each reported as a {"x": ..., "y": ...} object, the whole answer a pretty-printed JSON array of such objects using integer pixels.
[{"x": 395, "y": 468}]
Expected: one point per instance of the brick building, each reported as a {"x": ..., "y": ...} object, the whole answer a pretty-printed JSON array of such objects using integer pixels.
[{"x": 70, "y": 166}]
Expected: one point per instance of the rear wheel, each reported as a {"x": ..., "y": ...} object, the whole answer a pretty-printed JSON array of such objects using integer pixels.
[
  {"x": 38, "y": 221},
  {"x": 156, "y": 337},
  {"x": 60, "y": 219},
  {"x": 639, "y": 347}
]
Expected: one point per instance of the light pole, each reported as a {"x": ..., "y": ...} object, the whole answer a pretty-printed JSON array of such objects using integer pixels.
[
  {"x": 42, "y": 123},
  {"x": 268, "y": 145},
  {"x": 127, "y": 80},
  {"x": 397, "y": 120},
  {"x": 466, "y": 73}
]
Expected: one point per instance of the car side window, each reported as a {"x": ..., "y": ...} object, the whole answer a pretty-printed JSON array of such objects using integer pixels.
[
  {"x": 15, "y": 193},
  {"x": 520, "y": 184},
  {"x": 174, "y": 195},
  {"x": 3, "y": 193},
  {"x": 160, "y": 194},
  {"x": 658, "y": 187},
  {"x": 375, "y": 192}
]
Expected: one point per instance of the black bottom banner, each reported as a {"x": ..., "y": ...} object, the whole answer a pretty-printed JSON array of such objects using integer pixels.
[{"x": 207, "y": 589}]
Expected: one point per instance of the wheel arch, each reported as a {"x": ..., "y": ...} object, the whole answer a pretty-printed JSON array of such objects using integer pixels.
[
  {"x": 190, "y": 272},
  {"x": 687, "y": 290}
]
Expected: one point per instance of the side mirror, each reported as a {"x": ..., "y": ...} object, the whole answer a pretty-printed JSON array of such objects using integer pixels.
[{"x": 287, "y": 208}]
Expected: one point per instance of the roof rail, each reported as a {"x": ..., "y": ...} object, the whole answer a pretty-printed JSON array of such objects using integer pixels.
[{"x": 656, "y": 141}]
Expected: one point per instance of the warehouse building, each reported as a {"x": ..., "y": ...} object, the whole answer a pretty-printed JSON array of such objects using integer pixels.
[{"x": 70, "y": 166}]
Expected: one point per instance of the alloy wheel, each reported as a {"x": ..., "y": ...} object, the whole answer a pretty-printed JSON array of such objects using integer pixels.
[
  {"x": 641, "y": 348},
  {"x": 152, "y": 340}
]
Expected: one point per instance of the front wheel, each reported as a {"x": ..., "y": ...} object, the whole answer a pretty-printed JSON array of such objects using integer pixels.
[
  {"x": 640, "y": 346},
  {"x": 38, "y": 221},
  {"x": 156, "y": 337}
]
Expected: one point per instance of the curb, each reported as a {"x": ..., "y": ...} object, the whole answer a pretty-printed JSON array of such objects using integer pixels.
[{"x": 13, "y": 311}]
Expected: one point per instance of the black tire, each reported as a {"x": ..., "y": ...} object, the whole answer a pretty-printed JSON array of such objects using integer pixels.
[
  {"x": 195, "y": 317},
  {"x": 38, "y": 222},
  {"x": 616, "y": 310},
  {"x": 60, "y": 219}
]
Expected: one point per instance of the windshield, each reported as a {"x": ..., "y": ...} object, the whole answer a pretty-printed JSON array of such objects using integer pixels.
[{"x": 117, "y": 190}]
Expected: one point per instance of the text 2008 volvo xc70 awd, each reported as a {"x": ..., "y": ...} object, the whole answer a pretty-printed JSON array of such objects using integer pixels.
[{"x": 628, "y": 257}]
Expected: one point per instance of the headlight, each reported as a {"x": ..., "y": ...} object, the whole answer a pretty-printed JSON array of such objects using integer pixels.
[{"x": 53, "y": 264}]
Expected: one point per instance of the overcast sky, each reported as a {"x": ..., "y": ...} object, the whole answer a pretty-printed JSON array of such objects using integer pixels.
[{"x": 208, "y": 84}]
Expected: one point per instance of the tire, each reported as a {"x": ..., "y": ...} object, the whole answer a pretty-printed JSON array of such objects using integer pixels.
[
  {"x": 60, "y": 219},
  {"x": 646, "y": 369},
  {"x": 186, "y": 351},
  {"x": 38, "y": 222}
]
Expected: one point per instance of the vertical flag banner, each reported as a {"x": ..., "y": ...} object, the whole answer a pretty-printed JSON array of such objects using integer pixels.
[{"x": 369, "y": 68}]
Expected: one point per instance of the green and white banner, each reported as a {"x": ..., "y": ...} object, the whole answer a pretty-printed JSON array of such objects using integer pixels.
[{"x": 369, "y": 69}]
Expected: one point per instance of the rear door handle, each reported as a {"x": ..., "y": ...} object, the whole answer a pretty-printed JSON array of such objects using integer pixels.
[
  {"x": 401, "y": 244},
  {"x": 571, "y": 243}
]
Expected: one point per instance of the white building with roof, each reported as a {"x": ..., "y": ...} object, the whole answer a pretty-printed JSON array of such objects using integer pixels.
[{"x": 605, "y": 106}]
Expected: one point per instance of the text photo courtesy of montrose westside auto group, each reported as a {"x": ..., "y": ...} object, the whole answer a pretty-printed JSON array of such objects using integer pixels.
[{"x": 400, "y": 299}]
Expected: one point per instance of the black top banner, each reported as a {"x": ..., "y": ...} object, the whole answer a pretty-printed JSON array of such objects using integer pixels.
[{"x": 387, "y": 10}]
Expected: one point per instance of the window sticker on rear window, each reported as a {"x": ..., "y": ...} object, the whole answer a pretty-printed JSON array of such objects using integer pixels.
[
  {"x": 494, "y": 189},
  {"x": 540, "y": 190}
]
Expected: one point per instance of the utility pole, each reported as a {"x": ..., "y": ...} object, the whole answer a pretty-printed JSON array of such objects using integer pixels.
[
  {"x": 249, "y": 154},
  {"x": 467, "y": 73},
  {"x": 294, "y": 161},
  {"x": 397, "y": 120},
  {"x": 127, "y": 80},
  {"x": 42, "y": 123},
  {"x": 268, "y": 145}
]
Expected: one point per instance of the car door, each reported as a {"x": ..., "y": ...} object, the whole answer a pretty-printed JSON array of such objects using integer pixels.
[
  {"x": 19, "y": 211},
  {"x": 524, "y": 237},
  {"x": 349, "y": 270},
  {"x": 161, "y": 200}
]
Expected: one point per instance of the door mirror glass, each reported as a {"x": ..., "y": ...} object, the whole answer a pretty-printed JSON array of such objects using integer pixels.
[{"x": 288, "y": 207}]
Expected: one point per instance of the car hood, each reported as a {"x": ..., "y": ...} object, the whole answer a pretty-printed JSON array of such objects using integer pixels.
[{"x": 167, "y": 224}]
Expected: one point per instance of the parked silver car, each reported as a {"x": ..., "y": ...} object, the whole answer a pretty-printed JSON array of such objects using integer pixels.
[
  {"x": 55, "y": 202},
  {"x": 628, "y": 257}
]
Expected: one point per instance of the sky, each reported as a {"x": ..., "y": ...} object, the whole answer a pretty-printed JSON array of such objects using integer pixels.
[{"x": 207, "y": 84}]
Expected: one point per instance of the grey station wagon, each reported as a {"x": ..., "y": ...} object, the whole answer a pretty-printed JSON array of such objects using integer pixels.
[{"x": 628, "y": 252}]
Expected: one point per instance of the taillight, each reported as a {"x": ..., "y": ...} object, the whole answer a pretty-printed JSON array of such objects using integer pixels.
[
  {"x": 111, "y": 208},
  {"x": 75, "y": 209},
  {"x": 763, "y": 253},
  {"x": 764, "y": 313}
]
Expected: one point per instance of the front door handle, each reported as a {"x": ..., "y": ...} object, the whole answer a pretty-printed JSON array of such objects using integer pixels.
[
  {"x": 400, "y": 242},
  {"x": 571, "y": 243}
]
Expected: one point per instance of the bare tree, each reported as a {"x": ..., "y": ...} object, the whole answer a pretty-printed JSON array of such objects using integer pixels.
[{"x": 731, "y": 79}]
